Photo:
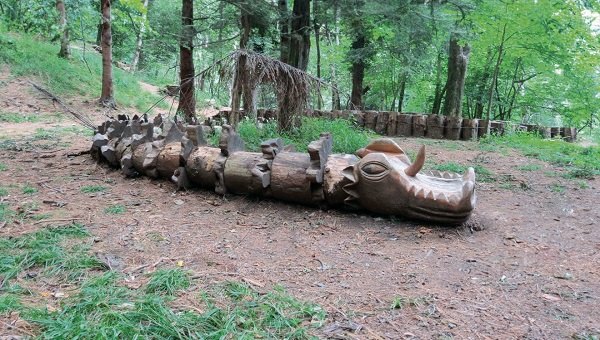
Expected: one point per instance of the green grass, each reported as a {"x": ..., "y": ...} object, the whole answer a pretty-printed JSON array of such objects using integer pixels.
[
  {"x": 115, "y": 209},
  {"x": 3, "y": 191},
  {"x": 482, "y": 174},
  {"x": 578, "y": 161},
  {"x": 6, "y": 214},
  {"x": 29, "y": 56},
  {"x": 13, "y": 117},
  {"x": 3, "y": 167},
  {"x": 102, "y": 307},
  {"x": 168, "y": 281},
  {"x": 399, "y": 302},
  {"x": 43, "y": 139},
  {"x": 29, "y": 190},
  {"x": 558, "y": 188},
  {"x": 89, "y": 189},
  {"x": 529, "y": 167},
  {"x": 347, "y": 138}
]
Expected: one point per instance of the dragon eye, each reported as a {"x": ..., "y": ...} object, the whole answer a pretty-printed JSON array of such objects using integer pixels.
[{"x": 374, "y": 169}]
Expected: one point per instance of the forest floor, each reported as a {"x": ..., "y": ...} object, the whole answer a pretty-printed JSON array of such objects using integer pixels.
[{"x": 525, "y": 266}]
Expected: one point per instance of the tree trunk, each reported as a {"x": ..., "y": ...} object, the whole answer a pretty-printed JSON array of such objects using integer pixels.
[
  {"x": 300, "y": 35},
  {"x": 335, "y": 93},
  {"x": 62, "y": 24},
  {"x": 358, "y": 71},
  {"x": 317, "y": 28},
  {"x": 439, "y": 89},
  {"x": 458, "y": 58},
  {"x": 187, "y": 98},
  {"x": 107, "y": 97},
  {"x": 284, "y": 31},
  {"x": 401, "y": 92},
  {"x": 140, "y": 37},
  {"x": 496, "y": 71}
]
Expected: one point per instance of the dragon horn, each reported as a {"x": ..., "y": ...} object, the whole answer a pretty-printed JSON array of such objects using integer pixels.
[{"x": 414, "y": 168}]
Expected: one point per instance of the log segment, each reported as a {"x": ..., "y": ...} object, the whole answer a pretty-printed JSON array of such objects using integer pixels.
[
  {"x": 453, "y": 128},
  {"x": 404, "y": 127},
  {"x": 419, "y": 126},
  {"x": 435, "y": 126},
  {"x": 469, "y": 129},
  {"x": 288, "y": 178}
]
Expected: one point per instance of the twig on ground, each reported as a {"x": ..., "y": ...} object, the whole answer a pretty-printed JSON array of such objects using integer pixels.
[{"x": 59, "y": 220}]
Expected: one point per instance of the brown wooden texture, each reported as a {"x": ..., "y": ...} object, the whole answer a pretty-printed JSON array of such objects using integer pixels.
[
  {"x": 392, "y": 124},
  {"x": 318, "y": 151},
  {"x": 168, "y": 159},
  {"x": 247, "y": 173},
  {"x": 544, "y": 131},
  {"x": 288, "y": 178},
  {"x": 334, "y": 180},
  {"x": 404, "y": 127},
  {"x": 381, "y": 123},
  {"x": 469, "y": 129},
  {"x": 200, "y": 166},
  {"x": 453, "y": 127},
  {"x": 435, "y": 126},
  {"x": 370, "y": 119},
  {"x": 419, "y": 125},
  {"x": 483, "y": 128},
  {"x": 497, "y": 127}
]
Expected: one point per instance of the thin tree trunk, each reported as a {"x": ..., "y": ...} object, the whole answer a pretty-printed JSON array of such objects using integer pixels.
[
  {"x": 187, "y": 98},
  {"x": 401, "y": 92},
  {"x": 107, "y": 97},
  {"x": 458, "y": 58},
  {"x": 241, "y": 88},
  {"x": 62, "y": 24},
  {"x": 496, "y": 71},
  {"x": 140, "y": 37},
  {"x": 317, "y": 28},
  {"x": 439, "y": 89},
  {"x": 358, "y": 72},
  {"x": 284, "y": 31},
  {"x": 335, "y": 93}
]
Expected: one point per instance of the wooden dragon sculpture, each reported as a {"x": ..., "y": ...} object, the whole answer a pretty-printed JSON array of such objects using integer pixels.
[{"x": 380, "y": 178}]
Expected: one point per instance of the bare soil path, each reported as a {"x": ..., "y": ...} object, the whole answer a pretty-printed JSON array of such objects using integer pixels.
[{"x": 527, "y": 266}]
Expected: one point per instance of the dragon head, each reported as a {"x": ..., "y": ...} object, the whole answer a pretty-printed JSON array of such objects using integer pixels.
[{"x": 385, "y": 181}]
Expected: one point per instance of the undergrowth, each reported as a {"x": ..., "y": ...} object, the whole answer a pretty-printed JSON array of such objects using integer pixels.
[
  {"x": 31, "y": 57},
  {"x": 578, "y": 161},
  {"x": 100, "y": 306},
  {"x": 347, "y": 138}
]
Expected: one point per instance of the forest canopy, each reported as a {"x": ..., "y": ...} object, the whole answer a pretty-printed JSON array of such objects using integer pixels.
[{"x": 521, "y": 60}]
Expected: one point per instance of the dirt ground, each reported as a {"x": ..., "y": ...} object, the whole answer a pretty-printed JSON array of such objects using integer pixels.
[{"x": 526, "y": 266}]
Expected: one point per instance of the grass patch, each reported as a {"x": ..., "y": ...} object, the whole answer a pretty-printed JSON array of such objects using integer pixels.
[
  {"x": 580, "y": 162},
  {"x": 482, "y": 174},
  {"x": 347, "y": 138},
  {"x": 101, "y": 307},
  {"x": 43, "y": 139},
  {"x": 90, "y": 189},
  {"x": 3, "y": 167},
  {"x": 115, "y": 209},
  {"x": 29, "y": 190},
  {"x": 168, "y": 281},
  {"x": 399, "y": 302},
  {"x": 28, "y": 56},
  {"x": 558, "y": 188},
  {"x": 3, "y": 191},
  {"x": 529, "y": 167},
  {"x": 6, "y": 214},
  {"x": 13, "y": 117}
]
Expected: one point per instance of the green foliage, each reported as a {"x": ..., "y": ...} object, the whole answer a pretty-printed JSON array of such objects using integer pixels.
[
  {"x": 3, "y": 191},
  {"x": 579, "y": 161},
  {"x": 115, "y": 209},
  {"x": 3, "y": 167},
  {"x": 29, "y": 190},
  {"x": 346, "y": 137},
  {"x": 10, "y": 117},
  {"x": 89, "y": 189},
  {"x": 168, "y": 281},
  {"x": 529, "y": 167}
]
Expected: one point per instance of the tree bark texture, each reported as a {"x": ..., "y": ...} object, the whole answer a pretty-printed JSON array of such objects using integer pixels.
[
  {"x": 64, "y": 31},
  {"x": 107, "y": 97},
  {"x": 358, "y": 71},
  {"x": 140, "y": 39},
  {"x": 187, "y": 98},
  {"x": 284, "y": 31},
  {"x": 458, "y": 58},
  {"x": 300, "y": 35}
]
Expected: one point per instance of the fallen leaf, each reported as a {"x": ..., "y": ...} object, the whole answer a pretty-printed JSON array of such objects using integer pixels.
[
  {"x": 551, "y": 297},
  {"x": 179, "y": 263}
]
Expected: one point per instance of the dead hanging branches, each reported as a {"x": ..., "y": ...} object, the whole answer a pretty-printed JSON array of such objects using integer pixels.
[
  {"x": 293, "y": 86},
  {"x": 76, "y": 116}
]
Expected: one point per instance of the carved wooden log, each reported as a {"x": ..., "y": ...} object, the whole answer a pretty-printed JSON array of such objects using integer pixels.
[
  {"x": 531, "y": 127},
  {"x": 168, "y": 159},
  {"x": 554, "y": 132},
  {"x": 404, "y": 127},
  {"x": 392, "y": 124},
  {"x": 497, "y": 127},
  {"x": 484, "y": 128},
  {"x": 318, "y": 151},
  {"x": 230, "y": 141},
  {"x": 419, "y": 128},
  {"x": 247, "y": 173},
  {"x": 200, "y": 166},
  {"x": 381, "y": 122},
  {"x": 435, "y": 126},
  {"x": 139, "y": 154},
  {"x": 453, "y": 127},
  {"x": 358, "y": 116},
  {"x": 288, "y": 178},
  {"x": 469, "y": 129},
  {"x": 370, "y": 120},
  {"x": 334, "y": 179},
  {"x": 570, "y": 134},
  {"x": 151, "y": 159}
]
